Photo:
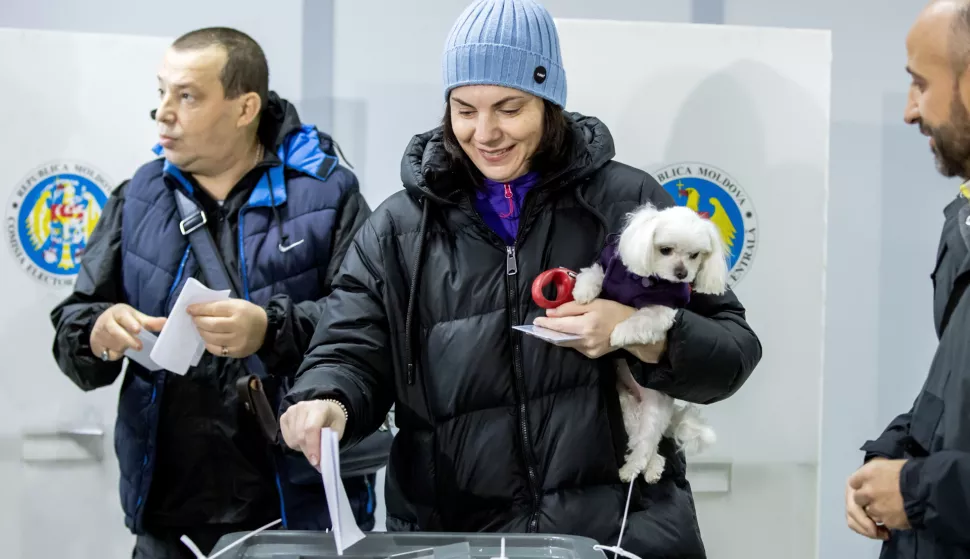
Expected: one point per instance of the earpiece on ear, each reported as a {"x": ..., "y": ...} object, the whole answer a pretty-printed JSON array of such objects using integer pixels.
[{"x": 712, "y": 274}]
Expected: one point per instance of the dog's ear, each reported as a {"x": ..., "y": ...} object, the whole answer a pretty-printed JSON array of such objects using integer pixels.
[
  {"x": 635, "y": 247},
  {"x": 712, "y": 274},
  {"x": 642, "y": 214}
]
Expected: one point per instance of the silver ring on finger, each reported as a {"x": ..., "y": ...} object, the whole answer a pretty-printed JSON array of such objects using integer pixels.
[{"x": 104, "y": 355}]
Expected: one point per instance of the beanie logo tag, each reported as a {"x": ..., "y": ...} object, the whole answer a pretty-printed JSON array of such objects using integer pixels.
[{"x": 540, "y": 74}]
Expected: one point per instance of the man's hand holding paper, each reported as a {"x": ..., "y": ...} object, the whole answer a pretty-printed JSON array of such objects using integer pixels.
[
  {"x": 230, "y": 328},
  {"x": 117, "y": 330},
  {"x": 180, "y": 344}
]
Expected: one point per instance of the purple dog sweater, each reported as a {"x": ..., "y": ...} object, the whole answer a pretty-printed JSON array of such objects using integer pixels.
[
  {"x": 500, "y": 204},
  {"x": 625, "y": 287}
]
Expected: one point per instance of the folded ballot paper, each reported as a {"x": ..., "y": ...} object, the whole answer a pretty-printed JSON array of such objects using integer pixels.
[
  {"x": 342, "y": 521},
  {"x": 343, "y": 524},
  {"x": 187, "y": 541},
  {"x": 179, "y": 344},
  {"x": 144, "y": 357}
]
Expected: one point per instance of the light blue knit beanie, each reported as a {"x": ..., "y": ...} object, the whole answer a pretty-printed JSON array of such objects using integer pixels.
[{"x": 512, "y": 43}]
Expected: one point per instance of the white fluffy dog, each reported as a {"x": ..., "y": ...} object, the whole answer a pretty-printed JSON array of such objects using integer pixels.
[{"x": 658, "y": 256}]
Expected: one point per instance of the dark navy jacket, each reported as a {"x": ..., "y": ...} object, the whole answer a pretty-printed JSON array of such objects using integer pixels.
[{"x": 188, "y": 454}]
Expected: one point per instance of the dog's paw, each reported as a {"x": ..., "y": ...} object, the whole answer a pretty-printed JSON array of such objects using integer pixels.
[
  {"x": 589, "y": 284},
  {"x": 666, "y": 316},
  {"x": 629, "y": 332},
  {"x": 620, "y": 336},
  {"x": 648, "y": 325},
  {"x": 655, "y": 468},
  {"x": 629, "y": 471}
]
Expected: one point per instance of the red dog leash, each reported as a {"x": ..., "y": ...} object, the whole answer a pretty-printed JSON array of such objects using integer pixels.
[{"x": 563, "y": 278}]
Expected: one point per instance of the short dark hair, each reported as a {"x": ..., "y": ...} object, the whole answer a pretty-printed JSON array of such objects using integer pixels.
[
  {"x": 246, "y": 69},
  {"x": 551, "y": 156}
]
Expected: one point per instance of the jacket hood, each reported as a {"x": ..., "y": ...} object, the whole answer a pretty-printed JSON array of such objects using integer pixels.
[
  {"x": 297, "y": 145},
  {"x": 426, "y": 167}
]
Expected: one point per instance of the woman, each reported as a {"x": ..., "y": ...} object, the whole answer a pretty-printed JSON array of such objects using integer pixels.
[{"x": 501, "y": 431}]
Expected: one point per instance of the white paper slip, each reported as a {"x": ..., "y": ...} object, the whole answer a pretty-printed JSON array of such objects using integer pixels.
[
  {"x": 198, "y": 552},
  {"x": 546, "y": 334},
  {"x": 143, "y": 357},
  {"x": 179, "y": 344},
  {"x": 343, "y": 524},
  {"x": 199, "y": 351}
]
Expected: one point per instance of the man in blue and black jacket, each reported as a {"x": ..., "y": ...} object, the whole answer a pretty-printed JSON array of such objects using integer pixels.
[{"x": 268, "y": 197}]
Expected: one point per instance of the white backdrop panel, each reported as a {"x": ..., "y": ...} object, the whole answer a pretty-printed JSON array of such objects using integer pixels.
[
  {"x": 736, "y": 121},
  {"x": 75, "y": 109}
]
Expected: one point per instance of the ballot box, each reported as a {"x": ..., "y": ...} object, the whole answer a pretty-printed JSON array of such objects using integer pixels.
[{"x": 283, "y": 544}]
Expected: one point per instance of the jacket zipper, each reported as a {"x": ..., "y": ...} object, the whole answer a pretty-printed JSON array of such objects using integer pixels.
[{"x": 511, "y": 270}]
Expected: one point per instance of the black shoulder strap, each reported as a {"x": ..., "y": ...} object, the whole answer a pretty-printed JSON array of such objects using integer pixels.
[{"x": 193, "y": 226}]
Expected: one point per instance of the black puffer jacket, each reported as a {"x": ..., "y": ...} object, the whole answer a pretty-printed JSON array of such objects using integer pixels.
[{"x": 501, "y": 431}]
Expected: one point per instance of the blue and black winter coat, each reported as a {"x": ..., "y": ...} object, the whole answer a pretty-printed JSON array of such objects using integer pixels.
[{"x": 188, "y": 453}]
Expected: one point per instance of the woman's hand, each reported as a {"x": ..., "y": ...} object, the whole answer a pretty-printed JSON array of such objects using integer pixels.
[
  {"x": 594, "y": 322},
  {"x": 302, "y": 422}
]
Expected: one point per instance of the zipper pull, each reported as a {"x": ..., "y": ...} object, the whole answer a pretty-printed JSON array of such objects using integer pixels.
[
  {"x": 508, "y": 196},
  {"x": 511, "y": 268}
]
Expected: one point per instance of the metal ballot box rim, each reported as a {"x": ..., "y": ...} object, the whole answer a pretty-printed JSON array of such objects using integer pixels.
[{"x": 285, "y": 544}]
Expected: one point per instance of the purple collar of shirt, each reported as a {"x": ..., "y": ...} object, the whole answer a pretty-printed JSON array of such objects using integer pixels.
[{"x": 500, "y": 204}]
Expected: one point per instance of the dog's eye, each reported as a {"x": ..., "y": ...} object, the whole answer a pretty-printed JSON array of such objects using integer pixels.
[
  {"x": 694, "y": 255},
  {"x": 666, "y": 251}
]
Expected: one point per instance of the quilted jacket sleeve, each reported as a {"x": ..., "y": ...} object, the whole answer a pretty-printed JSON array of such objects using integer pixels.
[
  {"x": 711, "y": 352},
  {"x": 349, "y": 359},
  {"x": 292, "y": 323},
  {"x": 98, "y": 287}
]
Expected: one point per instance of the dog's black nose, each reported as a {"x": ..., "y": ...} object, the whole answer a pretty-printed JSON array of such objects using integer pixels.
[{"x": 680, "y": 273}]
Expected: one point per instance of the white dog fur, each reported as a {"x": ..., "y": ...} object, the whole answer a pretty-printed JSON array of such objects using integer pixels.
[{"x": 678, "y": 245}]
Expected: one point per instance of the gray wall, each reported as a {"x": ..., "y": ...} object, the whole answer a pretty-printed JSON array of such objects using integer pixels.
[
  {"x": 885, "y": 199},
  {"x": 387, "y": 77},
  {"x": 885, "y": 213},
  {"x": 278, "y": 30}
]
